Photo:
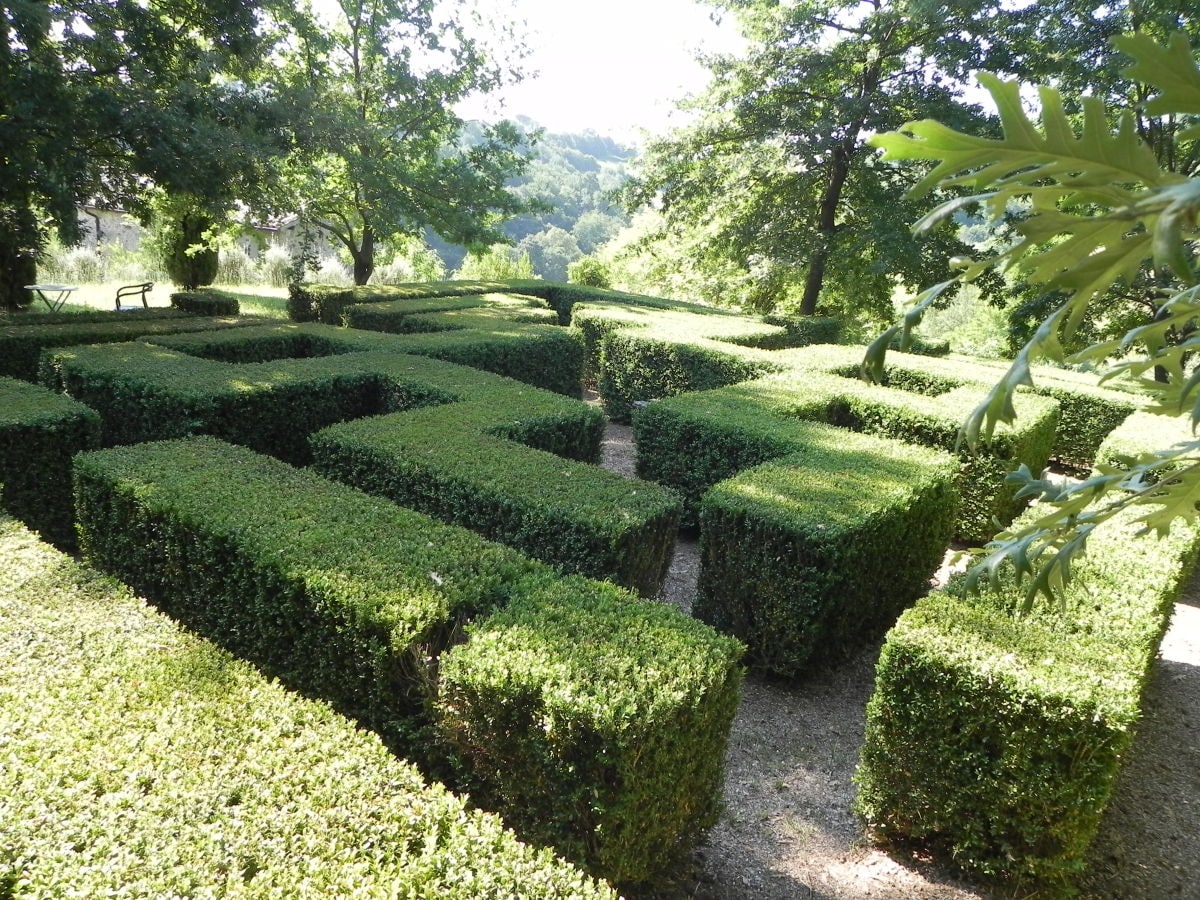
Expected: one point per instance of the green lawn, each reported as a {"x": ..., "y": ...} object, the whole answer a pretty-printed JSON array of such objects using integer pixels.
[{"x": 255, "y": 300}]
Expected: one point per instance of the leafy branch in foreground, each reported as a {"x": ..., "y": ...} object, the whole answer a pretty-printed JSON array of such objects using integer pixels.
[{"x": 1099, "y": 210}]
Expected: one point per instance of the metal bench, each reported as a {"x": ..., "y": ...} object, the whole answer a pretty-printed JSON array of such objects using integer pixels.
[{"x": 133, "y": 290}]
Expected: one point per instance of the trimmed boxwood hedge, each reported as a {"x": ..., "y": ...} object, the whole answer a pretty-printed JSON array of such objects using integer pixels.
[
  {"x": 806, "y": 558},
  {"x": 458, "y": 463},
  {"x": 934, "y": 421},
  {"x": 1087, "y": 411},
  {"x": 325, "y": 304},
  {"x": 39, "y": 434},
  {"x": 148, "y": 392},
  {"x": 597, "y": 726},
  {"x": 448, "y": 313},
  {"x": 22, "y": 345},
  {"x": 693, "y": 441},
  {"x": 206, "y": 302},
  {"x": 1140, "y": 435},
  {"x": 999, "y": 738},
  {"x": 141, "y": 761},
  {"x": 355, "y": 599}
]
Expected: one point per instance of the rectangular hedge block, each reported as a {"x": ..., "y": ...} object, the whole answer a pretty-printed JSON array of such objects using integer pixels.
[
  {"x": 448, "y": 313},
  {"x": 141, "y": 761},
  {"x": 807, "y": 557},
  {"x": 39, "y": 434},
  {"x": 445, "y": 461},
  {"x": 1087, "y": 410},
  {"x": 356, "y": 600},
  {"x": 998, "y": 737},
  {"x": 599, "y": 724},
  {"x": 21, "y": 345},
  {"x": 341, "y": 594}
]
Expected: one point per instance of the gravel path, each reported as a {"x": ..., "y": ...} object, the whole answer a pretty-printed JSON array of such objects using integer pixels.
[{"x": 788, "y": 833}]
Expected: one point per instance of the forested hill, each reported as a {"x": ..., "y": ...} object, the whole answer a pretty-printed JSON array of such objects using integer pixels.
[{"x": 573, "y": 175}]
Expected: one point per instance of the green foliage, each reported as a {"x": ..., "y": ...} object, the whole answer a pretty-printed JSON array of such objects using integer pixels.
[
  {"x": 355, "y": 599},
  {"x": 102, "y": 100},
  {"x": 576, "y": 666},
  {"x": 808, "y": 329},
  {"x": 1101, "y": 207},
  {"x": 774, "y": 185},
  {"x": 142, "y": 760},
  {"x": 457, "y": 462},
  {"x": 39, "y": 433},
  {"x": 206, "y": 303},
  {"x": 589, "y": 272},
  {"x": 498, "y": 262},
  {"x": 21, "y": 345},
  {"x": 999, "y": 737},
  {"x": 384, "y": 154},
  {"x": 798, "y": 556}
]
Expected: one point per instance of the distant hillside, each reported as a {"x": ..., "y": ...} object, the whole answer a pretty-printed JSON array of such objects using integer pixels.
[{"x": 572, "y": 174}]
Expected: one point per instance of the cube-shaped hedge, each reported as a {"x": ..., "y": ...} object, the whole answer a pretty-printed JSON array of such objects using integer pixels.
[
  {"x": 1000, "y": 737},
  {"x": 806, "y": 558},
  {"x": 354, "y": 599},
  {"x": 597, "y": 724},
  {"x": 39, "y": 434},
  {"x": 142, "y": 761}
]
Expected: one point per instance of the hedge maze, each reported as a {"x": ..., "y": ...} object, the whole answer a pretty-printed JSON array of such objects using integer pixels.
[{"x": 391, "y": 504}]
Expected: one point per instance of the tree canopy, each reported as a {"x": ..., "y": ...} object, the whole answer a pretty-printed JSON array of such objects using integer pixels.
[
  {"x": 775, "y": 174},
  {"x": 385, "y": 153},
  {"x": 100, "y": 99}
]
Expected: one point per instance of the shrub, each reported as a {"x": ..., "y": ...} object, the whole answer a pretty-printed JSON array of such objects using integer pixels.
[
  {"x": 21, "y": 345},
  {"x": 542, "y": 685},
  {"x": 144, "y": 762},
  {"x": 808, "y": 329},
  {"x": 590, "y": 272},
  {"x": 274, "y": 267},
  {"x": 206, "y": 303},
  {"x": 451, "y": 462},
  {"x": 998, "y": 737},
  {"x": 39, "y": 434},
  {"x": 234, "y": 266},
  {"x": 806, "y": 558},
  {"x": 355, "y": 599}
]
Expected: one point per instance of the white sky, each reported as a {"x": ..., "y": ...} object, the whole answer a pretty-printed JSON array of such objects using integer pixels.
[{"x": 614, "y": 67}]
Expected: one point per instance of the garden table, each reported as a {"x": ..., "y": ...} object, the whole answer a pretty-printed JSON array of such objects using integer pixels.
[{"x": 53, "y": 295}]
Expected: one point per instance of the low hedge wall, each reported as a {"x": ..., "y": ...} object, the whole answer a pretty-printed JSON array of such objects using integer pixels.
[
  {"x": 39, "y": 434},
  {"x": 693, "y": 441},
  {"x": 637, "y": 354},
  {"x": 149, "y": 392},
  {"x": 1142, "y": 434},
  {"x": 999, "y": 738},
  {"x": 325, "y": 304},
  {"x": 805, "y": 558},
  {"x": 1087, "y": 411},
  {"x": 355, "y": 599},
  {"x": 21, "y": 346},
  {"x": 450, "y": 462},
  {"x": 798, "y": 557},
  {"x": 448, "y": 313},
  {"x": 207, "y": 302},
  {"x": 141, "y": 761},
  {"x": 597, "y": 726},
  {"x": 935, "y": 421}
]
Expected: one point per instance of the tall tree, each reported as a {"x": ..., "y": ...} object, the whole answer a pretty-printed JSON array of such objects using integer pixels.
[
  {"x": 98, "y": 99},
  {"x": 387, "y": 153},
  {"x": 776, "y": 172}
]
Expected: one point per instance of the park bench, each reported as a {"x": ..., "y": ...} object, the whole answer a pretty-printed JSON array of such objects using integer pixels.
[{"x": 133, "y": 290}]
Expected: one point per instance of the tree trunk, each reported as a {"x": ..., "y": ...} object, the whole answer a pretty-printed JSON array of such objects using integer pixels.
[
  {"x": 19, "y": 243},
  {"x": 839, "y": 171},
  {"x": 364, "y": 257}
]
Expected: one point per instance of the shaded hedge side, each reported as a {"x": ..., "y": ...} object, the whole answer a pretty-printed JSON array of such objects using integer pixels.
[
  {"x": 141, "y": 761},
  {"x": 40, "y": 432},
  {"x": 999, "y": 738},
  {"x": 355, "y": 600}
]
